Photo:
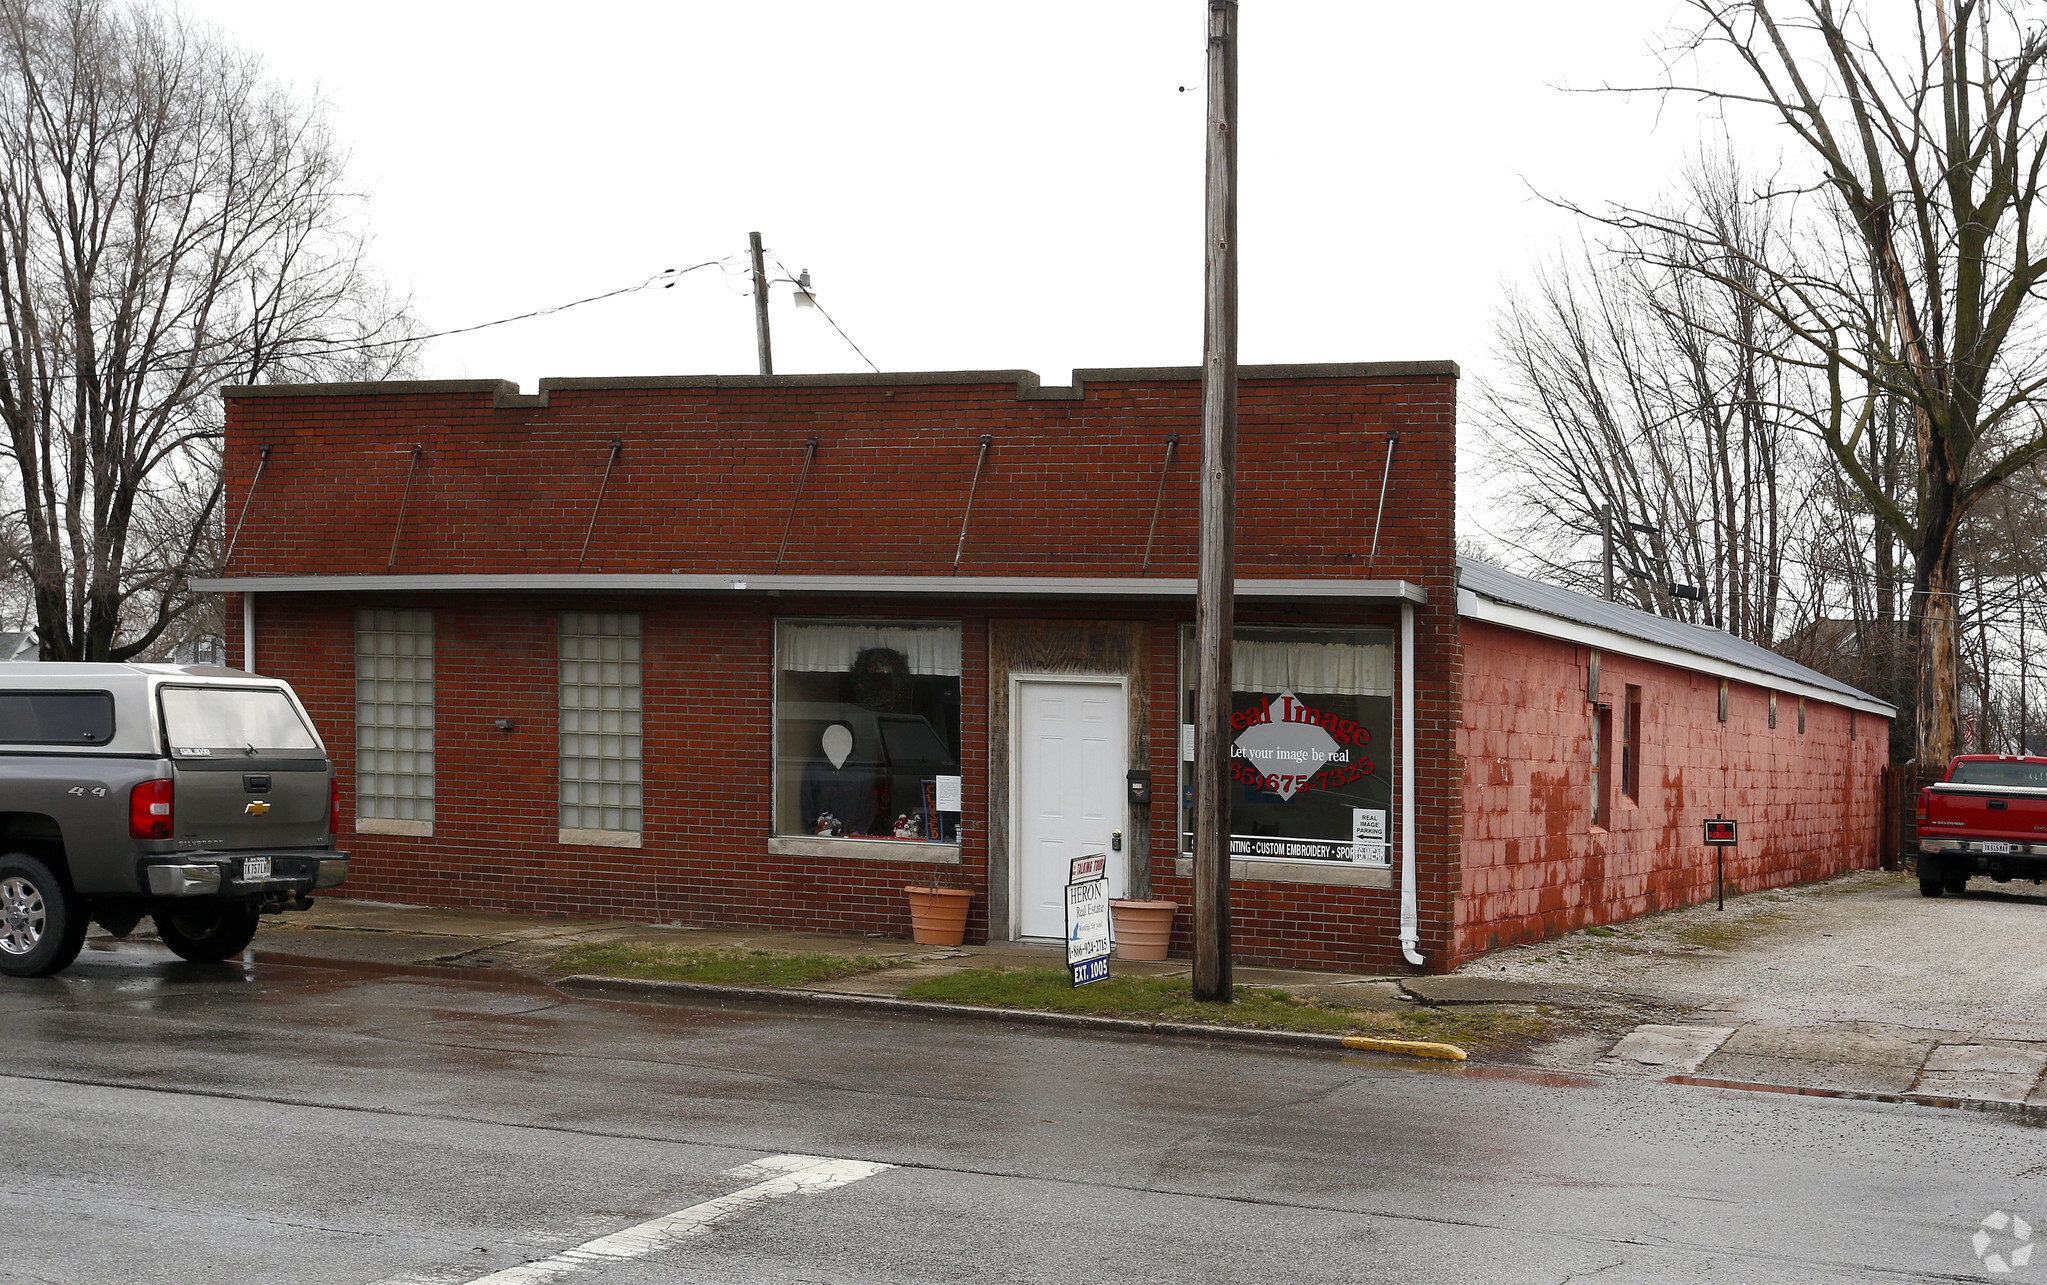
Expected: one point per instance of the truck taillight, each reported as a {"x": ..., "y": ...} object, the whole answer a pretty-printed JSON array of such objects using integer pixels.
[
  {"x": 149, "y": 810},
  {"x": 1919, "y": 808},
  {"x": 334, "y": 805}
]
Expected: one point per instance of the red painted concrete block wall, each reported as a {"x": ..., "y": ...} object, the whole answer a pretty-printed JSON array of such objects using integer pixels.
[{"x": 1534, "y": 864}]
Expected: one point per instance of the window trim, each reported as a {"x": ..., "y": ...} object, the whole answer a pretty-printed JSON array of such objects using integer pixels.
[
  {"x": 1602, "y": 767},
  {"x": 811, "y": 845},
  {"x": 1631, "y": 743}
]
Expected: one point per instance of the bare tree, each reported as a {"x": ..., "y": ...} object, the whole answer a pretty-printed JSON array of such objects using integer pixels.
[
  {"x": 1640, "y": 404},
  {"x": 1910, "y": 287},
  {"x": 169, "y": 221}
]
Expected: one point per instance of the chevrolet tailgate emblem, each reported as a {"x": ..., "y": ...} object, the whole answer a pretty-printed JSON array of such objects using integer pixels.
[{"x": 256, "y": 808}]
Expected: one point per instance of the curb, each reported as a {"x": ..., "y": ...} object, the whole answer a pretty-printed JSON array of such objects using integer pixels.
[
  {"x": 629, "y": 988},
  {"x": 2025, "y": 1111}
]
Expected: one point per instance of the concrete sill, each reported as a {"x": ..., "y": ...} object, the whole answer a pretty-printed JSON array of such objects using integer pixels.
[
  {"x": 936, "y": 854},
  {"x": 385, "y": 825},
  {"x": 1326, "y": 873},
  {"x": 598, "y": 838}
]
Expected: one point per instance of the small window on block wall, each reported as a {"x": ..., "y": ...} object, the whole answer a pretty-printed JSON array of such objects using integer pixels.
[
  {"x": 1801, "y": 716},
  {"x": 1631, "y": 746},
  {"x": 600, "y": 728},
  {"x": 394, "y": 722},
  {"x": 1773, "y": 709},
  {"x": 1723, "y": 700},
  {"x": 1602, "y": 757}
]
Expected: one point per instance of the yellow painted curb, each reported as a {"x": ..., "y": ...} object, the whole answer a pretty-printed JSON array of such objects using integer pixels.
[{"x": 1412, "y": 1048}]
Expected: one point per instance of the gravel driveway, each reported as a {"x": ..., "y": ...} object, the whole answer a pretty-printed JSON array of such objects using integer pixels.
[{"x": 1865, "y": 947}]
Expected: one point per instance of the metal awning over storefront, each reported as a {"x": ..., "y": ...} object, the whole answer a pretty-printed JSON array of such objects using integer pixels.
[{"x": 888, "y": 586}]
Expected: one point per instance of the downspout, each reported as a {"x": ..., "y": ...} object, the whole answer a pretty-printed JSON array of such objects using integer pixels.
[
  {"x": 248, "y": 632},
  {"x": 1410, "y": 929}
]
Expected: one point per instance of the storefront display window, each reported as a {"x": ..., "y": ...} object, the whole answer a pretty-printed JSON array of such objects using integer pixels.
[
  {"x": 867, "y": 740},
  {"x": 1311, "y": 755}
]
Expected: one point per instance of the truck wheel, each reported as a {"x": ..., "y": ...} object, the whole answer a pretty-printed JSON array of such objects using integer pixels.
[
  {"x": 42, "y": 923},
  {"x": 1930, "y": 882},
  {"x": 207, "y": 934},
  {"x": 1957, "y": 883}
]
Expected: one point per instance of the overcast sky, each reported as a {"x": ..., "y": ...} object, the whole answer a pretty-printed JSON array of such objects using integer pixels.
[{"x": 971, "y": 185}]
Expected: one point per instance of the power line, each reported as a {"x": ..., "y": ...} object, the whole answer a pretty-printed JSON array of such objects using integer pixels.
[
  {"x": 664, "y": 278},
  {"x": 835, "y": 325}
]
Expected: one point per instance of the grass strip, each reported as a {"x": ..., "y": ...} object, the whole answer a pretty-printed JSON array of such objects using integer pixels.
[
  {"x": 1171, "y": 999},
  {"x": 733, "y": 967}
]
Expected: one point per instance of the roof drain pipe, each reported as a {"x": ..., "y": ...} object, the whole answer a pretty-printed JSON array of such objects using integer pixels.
[{"x": 1410, "y": 929}]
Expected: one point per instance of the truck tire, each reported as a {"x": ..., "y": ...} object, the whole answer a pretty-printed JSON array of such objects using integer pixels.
[
  {"x": 207, "y": 934},
  {"x": 1931, "y": 882},
  {"x": 42, "y": 922},
  {"x": 1957, "y": 882}
]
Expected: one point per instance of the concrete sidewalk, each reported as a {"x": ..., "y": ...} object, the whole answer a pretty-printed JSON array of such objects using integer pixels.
[{"x": 375, "y": 932}]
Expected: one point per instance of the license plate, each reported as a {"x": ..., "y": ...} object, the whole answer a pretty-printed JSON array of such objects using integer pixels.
[
  {"x": 254, "y": 868},
  {"x": 1997, "y": 847}
]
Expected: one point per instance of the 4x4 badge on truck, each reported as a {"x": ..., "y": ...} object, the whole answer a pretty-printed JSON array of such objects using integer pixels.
[{"x": 256, "y": 808}]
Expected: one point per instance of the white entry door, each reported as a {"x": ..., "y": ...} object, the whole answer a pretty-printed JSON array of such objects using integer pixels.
[{"x": 1072, "y": 750}]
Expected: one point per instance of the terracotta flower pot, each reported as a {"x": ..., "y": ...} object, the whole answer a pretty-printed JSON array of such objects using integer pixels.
[
  {"x": 938, "y": 916},
  {"x": 1143, "y": 928}
]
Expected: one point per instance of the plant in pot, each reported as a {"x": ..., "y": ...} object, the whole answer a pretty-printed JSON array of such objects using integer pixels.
[
  {"x": 1143, "y": 929},
  {"x": 938, "y": 911}
]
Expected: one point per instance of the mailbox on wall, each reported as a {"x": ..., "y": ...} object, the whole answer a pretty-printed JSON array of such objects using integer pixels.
[{"x": 1140, "y": 787}]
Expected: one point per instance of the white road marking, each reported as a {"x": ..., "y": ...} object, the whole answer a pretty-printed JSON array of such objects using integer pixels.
[{"x": 778, "y": 1177}]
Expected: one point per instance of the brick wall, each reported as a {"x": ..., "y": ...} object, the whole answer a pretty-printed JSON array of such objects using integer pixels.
[
  {"x": 706, "y": 483},
  {"x": 1535, "y": 866},
  {"x": 707, "y": 477}
]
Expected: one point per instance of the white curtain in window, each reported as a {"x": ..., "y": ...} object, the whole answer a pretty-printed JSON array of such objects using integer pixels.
[
  {"x": 830, "y": 649},
  {"x": 1312, "y": 668}
]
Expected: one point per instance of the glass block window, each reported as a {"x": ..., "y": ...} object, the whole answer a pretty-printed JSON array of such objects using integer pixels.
[
  {"x": 394, "y": 715},
  {"x": 600, "y": 721}
]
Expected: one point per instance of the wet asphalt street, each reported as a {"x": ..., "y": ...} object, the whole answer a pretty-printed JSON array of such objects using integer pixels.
[{"x": 276, "y": 1121}]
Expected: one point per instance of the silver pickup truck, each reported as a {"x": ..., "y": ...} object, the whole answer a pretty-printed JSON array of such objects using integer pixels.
[{"x": 201, "y": 797}]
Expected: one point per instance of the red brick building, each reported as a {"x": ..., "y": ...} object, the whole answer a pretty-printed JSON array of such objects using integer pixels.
[{"x": 761, "y": 651}]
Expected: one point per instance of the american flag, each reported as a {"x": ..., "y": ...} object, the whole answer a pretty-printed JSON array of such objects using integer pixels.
[{"x": 1969, "y": 735}]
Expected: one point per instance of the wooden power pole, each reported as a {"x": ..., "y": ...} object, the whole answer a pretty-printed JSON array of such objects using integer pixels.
[
  {"x": 760, "y": 305},
  {"x": 1214, "y": 607}
]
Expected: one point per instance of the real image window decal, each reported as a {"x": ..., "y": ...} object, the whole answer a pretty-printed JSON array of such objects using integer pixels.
[{"x": 1311, "y": 748}]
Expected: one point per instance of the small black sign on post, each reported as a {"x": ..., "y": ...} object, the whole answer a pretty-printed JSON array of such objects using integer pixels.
[{"x": 1721, "y": 834}]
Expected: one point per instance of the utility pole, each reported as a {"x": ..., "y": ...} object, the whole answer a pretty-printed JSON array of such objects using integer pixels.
[
  {"x": 760, "y": 305},
  {"x": 1605, "y": 516},
  {"x": 1215, "y": 592}
]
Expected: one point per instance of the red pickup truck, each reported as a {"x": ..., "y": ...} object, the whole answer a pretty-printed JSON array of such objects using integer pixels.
[{"x": 1989, "y": 817}]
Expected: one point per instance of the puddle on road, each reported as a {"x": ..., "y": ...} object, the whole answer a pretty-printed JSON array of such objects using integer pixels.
[{"x": 140, "y": 971}]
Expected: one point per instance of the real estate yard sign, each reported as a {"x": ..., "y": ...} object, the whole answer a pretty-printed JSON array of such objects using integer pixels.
[{"x": 1087, "y": 919}]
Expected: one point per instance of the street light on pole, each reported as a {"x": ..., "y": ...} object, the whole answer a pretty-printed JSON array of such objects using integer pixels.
[{"x": 805, "y": 298}]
